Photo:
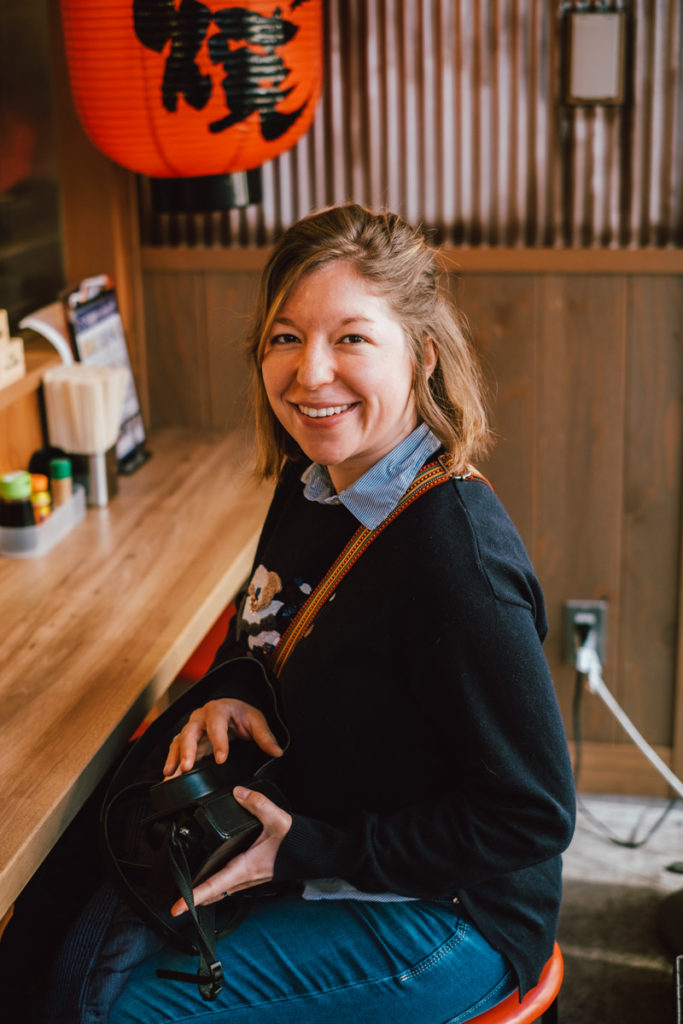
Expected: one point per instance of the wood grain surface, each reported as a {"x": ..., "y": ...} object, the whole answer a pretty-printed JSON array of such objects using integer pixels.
[{"x": 93, "y": 632}]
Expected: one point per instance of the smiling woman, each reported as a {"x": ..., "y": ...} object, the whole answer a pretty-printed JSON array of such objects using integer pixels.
[
  {"x": 338, "y": 372},
  {"x": 366, "y": 281},
  {"x": 386, "y": 657}
]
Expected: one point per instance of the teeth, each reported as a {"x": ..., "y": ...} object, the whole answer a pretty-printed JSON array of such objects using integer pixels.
[{"x": 331, "y": 410}]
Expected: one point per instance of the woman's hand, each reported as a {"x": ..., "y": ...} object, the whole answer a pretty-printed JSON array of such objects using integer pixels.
[
  {"x": 211, "y": 727},
  {"x": 256, "y": 864}
]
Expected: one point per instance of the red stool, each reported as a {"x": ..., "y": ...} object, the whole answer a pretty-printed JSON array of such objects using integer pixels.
[
  {"x": 200, "y": 660},
  {"x": 538, "y": 1005},
  {"x": 195, "y": 667}
]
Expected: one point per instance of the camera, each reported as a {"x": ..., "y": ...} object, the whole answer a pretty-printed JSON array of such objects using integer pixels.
[{"x": 207, "y": 822}]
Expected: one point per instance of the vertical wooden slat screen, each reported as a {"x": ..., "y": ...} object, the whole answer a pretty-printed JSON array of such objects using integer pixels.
[{"x": 451, "y": 112}]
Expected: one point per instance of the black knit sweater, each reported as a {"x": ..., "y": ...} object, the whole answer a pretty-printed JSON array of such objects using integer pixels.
[{"x": 427, "y": 754}]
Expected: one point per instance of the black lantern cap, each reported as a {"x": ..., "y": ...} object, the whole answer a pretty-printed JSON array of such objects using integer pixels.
[{"x": 207, "y": 193}]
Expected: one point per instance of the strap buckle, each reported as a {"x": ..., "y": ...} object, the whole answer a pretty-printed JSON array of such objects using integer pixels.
[{"x": 210, "y": 984}]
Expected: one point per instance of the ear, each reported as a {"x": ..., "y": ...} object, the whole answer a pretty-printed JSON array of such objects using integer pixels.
[{"x": 431, "y": 356}]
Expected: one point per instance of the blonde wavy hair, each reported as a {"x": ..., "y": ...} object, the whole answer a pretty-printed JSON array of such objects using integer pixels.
[{"x": 398, "y": 264}]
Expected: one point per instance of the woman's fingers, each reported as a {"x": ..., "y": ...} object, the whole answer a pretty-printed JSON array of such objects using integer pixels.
[
  {"x": 260, "y": 732},
  {"x": 172, "y": 758},
  {"x": 275, "y": 820},
  {"x": 226, "y": 718},
  {"x": 189, "y": 742},
  {"x": 218, "y": 718},
  {"x": 210, "y": 728},
  {"x": 253, "y": 867}
]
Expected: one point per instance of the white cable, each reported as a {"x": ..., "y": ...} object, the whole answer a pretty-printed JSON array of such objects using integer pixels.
[{"x": 588, "y": 664}]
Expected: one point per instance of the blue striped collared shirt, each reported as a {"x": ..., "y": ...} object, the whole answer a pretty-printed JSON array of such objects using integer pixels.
[{"x": 374, "y": 495}]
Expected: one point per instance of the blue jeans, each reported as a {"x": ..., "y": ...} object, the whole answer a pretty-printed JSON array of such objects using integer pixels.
[{"x": 330, "y": 962}]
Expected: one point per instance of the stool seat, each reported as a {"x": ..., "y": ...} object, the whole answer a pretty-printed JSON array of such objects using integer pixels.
[{"x": 538, "y": 1004}]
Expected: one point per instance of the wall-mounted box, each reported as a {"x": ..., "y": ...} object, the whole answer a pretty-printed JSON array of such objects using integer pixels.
[{"x": 595, "y": 58}]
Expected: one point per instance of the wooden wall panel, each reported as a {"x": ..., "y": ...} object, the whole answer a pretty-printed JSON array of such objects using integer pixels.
[
  {"x": 22, "y": 424},
  {"x": 581, "y": 345},
  {"x": 177, "y": 352},
  {"x": 20, "y": 432},
  {"x": 501, "y": 310},
  {"x": 229, "y": 302},
  {"x": 653, "y": 433}
]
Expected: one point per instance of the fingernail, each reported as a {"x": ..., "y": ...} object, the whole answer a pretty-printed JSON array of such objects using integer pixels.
[{"x": 240, "y": 792}]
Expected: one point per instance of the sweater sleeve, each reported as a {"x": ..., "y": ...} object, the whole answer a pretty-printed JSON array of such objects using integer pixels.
[{"x": 505, "y": 800}]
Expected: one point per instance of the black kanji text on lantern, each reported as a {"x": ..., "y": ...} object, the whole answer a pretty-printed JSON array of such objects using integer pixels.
[{"x": 246, "y": 45}]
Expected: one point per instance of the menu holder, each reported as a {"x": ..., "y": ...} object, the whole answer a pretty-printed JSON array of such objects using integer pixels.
[{"x": 92, "y": 312}]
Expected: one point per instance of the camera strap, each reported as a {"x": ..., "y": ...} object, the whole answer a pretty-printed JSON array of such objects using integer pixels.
[
  {"x": 209, "y": 976},
  {"x": 434, "y": 473}
]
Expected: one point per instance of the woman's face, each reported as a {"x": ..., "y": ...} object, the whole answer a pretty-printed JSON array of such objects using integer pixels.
[{"x": 338, "y": 372}]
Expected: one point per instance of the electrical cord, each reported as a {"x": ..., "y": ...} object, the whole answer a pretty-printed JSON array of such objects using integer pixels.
[{"x": 589, "y": 671}]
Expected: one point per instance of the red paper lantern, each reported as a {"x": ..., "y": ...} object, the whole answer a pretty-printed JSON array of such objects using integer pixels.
[{"x": 194, "y": 89}]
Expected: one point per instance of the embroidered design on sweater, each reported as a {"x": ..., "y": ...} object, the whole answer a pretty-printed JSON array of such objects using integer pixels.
[{"x": 268, "y": 608}]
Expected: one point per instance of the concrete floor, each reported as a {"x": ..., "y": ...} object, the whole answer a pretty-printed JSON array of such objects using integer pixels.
[
  {"x": 591, "y": 857},
  {"x": 617, "y": 968}
]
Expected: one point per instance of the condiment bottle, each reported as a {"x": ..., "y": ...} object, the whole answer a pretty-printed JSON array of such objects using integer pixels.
[
  {"x": 61, "y": 480},
  {"x": 38, "y": 483},
  {"x": 16, "y": 508},
  {"x": 40, "y": 497},
  {"x": 42, "y": 506}
]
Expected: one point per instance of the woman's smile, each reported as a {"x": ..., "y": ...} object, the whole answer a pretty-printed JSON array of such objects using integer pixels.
[
  {"x": 338, "y": 372},
  {"x": 323, "y": 413}
]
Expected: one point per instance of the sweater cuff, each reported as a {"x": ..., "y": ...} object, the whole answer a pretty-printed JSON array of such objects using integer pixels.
[{"x": 314, "y": 849}]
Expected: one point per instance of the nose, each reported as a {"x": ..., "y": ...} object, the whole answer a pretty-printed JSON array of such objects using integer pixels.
[{"x": 316, "y": 365}]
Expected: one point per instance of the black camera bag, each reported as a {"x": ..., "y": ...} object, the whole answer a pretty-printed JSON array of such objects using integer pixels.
[{"x": 160, "y": 838}]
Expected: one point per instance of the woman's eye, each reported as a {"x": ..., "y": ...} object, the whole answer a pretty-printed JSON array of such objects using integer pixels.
[
  {"x": 284, "y": 339},
  {"x": 352, "y": 339}
]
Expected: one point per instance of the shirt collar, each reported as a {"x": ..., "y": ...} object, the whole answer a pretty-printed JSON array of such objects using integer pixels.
[{"x": 372, "y": 497}]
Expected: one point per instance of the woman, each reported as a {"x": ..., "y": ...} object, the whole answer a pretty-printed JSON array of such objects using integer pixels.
[{"x": 426, "y": 767}]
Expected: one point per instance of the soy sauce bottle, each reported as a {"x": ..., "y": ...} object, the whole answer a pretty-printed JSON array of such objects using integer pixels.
[{"x": 16, "y": 507}]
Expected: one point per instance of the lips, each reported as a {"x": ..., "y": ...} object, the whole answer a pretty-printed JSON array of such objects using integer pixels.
[{"x": 325, "y": 411}]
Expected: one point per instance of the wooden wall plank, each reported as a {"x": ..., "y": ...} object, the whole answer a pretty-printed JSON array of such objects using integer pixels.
[
  {"x": 652, "y": 505},
  {"x": 500, "y": 311},
  {"x": 177, "y": 351},
  {"x": 619, "y": 768},
  {"x": 459, "y": 260},
  {"x": 581, "y": 353},
  {"x": 230, "y": 299},
  {"x": 21, "y": 432}
]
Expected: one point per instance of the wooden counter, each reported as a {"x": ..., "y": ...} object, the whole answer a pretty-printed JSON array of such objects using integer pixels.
[{"x": 93, "y": 632}]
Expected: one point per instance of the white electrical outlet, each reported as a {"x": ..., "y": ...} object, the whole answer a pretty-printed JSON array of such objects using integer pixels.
[{"x": 580, "y": 615}]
